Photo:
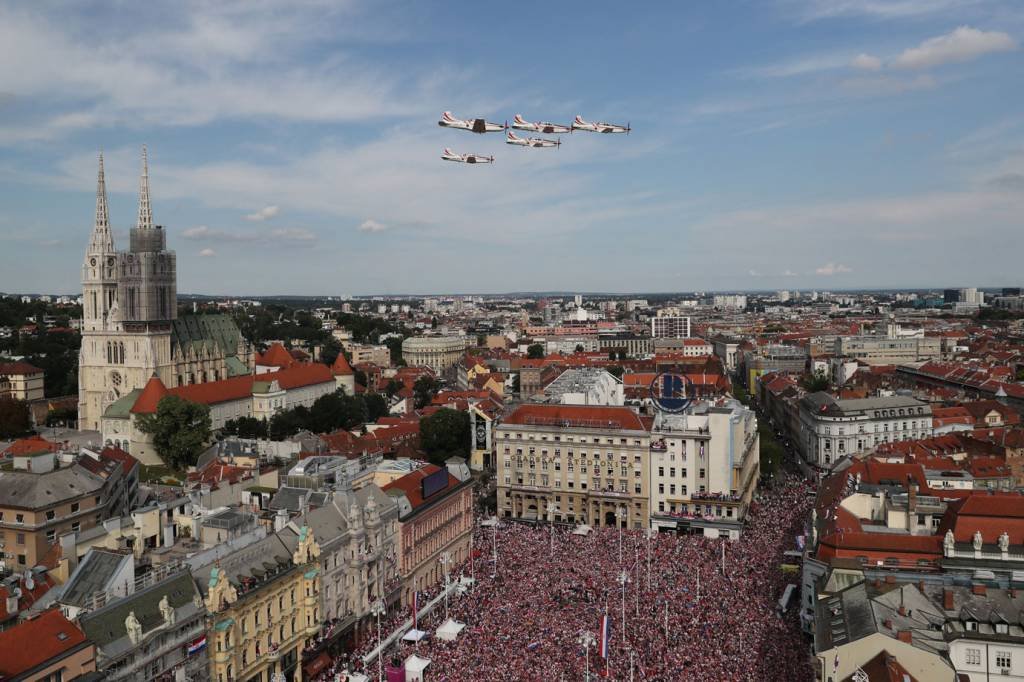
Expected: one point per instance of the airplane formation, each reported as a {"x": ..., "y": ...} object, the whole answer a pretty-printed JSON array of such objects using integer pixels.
[{"x": 479, "y": 125}]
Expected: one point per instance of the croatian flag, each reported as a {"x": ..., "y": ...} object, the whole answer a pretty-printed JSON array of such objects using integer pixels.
[
  {"x": 604, "y": 636},
  {"x": 196, "y": 645}
]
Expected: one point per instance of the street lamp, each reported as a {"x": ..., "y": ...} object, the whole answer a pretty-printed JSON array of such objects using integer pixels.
[
  {"x": 620, "y": 514},
  {"x": 551, "y": 508},
  {"x": 586, "y": 640},
  {"x": 446, "y": 560},
  {"x": 377, "y": 609},
  {"x": 650, "y": 536},
  {"x": 623, "y": 579}
]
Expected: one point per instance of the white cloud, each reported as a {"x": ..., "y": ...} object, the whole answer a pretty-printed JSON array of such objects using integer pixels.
[
  {"x": 287, "y": 235},
  {"x": 789, "y": 273},
  {"x": 866, "y": 62},
  {"x": 371, "y": 225},
  {"x": 880, "y": 9},
  {"x": 962, "y": 44},
  {"x": 206, "y": 253},
  {"x": 830, "y": 269},
  {"x": 753, "y": 273},
  {"x": 264, "y": 213}
]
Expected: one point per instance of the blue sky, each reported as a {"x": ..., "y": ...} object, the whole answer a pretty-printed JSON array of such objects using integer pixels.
[{"x": 294, "y": 148}]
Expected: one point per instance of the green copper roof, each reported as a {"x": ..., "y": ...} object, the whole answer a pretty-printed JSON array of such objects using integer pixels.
[
  {"x": 218, "y": 333},
  {"x": 122, "y": 407},
  {"x": 106, "y": 624},
  {"x": 223, "y": 625},
  {"x": 260, "y": 386},
  {"x": 236, "y": 367}
]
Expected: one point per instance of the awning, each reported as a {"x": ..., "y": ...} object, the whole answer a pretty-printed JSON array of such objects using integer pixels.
[{"x": 316, "y": 666}]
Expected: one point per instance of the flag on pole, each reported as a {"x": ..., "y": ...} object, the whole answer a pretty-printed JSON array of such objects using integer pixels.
[{"x": 604, "y": 636}]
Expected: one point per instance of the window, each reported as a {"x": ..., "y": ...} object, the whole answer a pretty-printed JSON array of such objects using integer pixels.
[
  {"x": 20, "y": 538},
  {"x": 50, "y": 515},
  {"x": 972, "y": 656},
  {"x": 74, "y": 507},
  {"x": 51, "y": 536},
  {"x": 19, "y": 518},
  {"x": 1003, "y": 659},
  {"x": 76, "y": 526}
]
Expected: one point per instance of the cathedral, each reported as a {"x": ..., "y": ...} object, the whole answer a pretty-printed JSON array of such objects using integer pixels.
[{"x": 130, "y": 327}]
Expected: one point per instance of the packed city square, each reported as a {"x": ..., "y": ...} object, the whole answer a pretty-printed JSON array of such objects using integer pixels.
[{"x": 685, "y": 618}]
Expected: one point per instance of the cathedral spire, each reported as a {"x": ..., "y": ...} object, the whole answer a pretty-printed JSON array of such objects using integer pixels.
[
  {"x": 145, "y": 212},
  {"x": 101, "y": 241}
]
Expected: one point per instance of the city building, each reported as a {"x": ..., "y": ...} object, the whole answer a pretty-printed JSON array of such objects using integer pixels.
[
  {"x": 831, "y": 428},
  {"x": 687, "y": 347},
  {"x": 358, "y": 534},
  {"x": 21, "y": 381},
  {"x": 130, "y": 327},
  {"x": 729, "y": 301},
  {"x": 705, "y": 465},
  {"x": 436, "y": 352},
  {"x": 263, "y": 602},
  {"x": 590, "y": 462},
  {"x": 251, "y": 395},
  {"x": 152, "y": 634},
  {"x": 42, "y": 498},
  {"x": 670, "y": 326},
  {"x": 377, "y": 355},
  {"x": 888, "y": 350},
  {"x": 584, "y": 386},
  {"x": 435, "y": 516},
  {"x": 44, "y": 648},
  {"x": 773, "y": 358}
]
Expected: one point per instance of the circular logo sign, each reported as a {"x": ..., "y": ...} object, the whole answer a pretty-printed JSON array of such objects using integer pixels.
[{"x": 671, "y": 392}]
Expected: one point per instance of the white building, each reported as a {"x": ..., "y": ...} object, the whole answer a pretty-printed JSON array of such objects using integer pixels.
[
  {"x": 704, "y": 467},
  {"x": 729, "y": 301},
  {"x": 436, "y": 352},
  {"x": 585, "y": 386},
  {"x": 830, "y": 428}
]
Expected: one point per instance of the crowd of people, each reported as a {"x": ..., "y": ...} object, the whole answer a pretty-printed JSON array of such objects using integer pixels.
[{"x": 688, "y": 614}]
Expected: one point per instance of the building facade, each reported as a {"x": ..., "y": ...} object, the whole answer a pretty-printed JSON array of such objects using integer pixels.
[
  {"x": 670, "y": 326},
  {"x": 830, "y": 428},
  {"x": 130, "y": 325},
  {"x": 435, "y": 516},
  {"x": 436, "y": 352},
  {"x": 705, "y": 465},
  {"x": 21, "y": 381},
  {"x": 591, "y": 463},
  {"x": 887, "y": 350},
  {"x": 264, "y": 606}
]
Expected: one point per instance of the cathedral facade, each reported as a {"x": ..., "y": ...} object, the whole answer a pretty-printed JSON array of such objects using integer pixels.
[{"x": 130, "y": 327}]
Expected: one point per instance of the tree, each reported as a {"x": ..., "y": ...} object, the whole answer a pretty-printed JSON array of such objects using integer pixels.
[
  {"x": 246, "y": 427},
  {"x": 535, "y": 351},
  {"x": 424, "y": 390},
  {"x": 816, "y": 382},
  {"x": 393, "y": 387},
  {"x": 445, "y": 434},
  {"x": 481, "y": 340},
  {"x": 15, "y": 420},
  {"x": 616, "y": 371},
  {"x": 180, "y": 429},
  {"x": 376, "y": 406},
  {"x": 579, "y": 347},
  {"x": 360, "y": 377}
]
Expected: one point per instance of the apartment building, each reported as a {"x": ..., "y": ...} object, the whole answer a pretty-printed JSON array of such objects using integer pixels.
[
  {"x": 590, "y": 462},
  {"x": 831, "y": 428},
  {"x": 704, "y": 466}
]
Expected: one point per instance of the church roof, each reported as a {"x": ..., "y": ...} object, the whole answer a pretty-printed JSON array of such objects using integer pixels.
[
  {"x": 122, "y": 407},
  {"x": 150, "y": 397},
  {"x": 194, "y": 332}
]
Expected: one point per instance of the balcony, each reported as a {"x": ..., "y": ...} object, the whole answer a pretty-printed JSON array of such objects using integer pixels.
[{"x": 618, "y": 494}]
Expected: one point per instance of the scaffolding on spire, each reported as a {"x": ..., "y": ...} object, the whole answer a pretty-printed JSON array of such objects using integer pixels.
[{"x": 145, "y": 221}]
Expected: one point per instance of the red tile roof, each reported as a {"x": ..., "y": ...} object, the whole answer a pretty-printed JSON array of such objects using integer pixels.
[
  {"x": 276, "y": 356},
  {"x": 151, "y": 395},
  {"x": 238, "y": 388},
  {"x": 31, "y": 445},
  {"x": 410, "y": 484},
  {"x": 575, "y": 415},
  {"x": 38, "y": 640},
  {"x": 341, "y": 366},
  {"x": 116, "y": 454},
  {"x": 7, "y": 368},
  {"x": 42, "y": 583}
]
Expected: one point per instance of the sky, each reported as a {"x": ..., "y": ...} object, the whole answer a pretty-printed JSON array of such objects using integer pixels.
[{"x": 294, "y": 148}]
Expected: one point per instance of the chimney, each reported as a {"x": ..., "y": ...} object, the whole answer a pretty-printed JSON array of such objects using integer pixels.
[
  {"x": 978, "y": 589},
  {"x": 904, "y": 636}
]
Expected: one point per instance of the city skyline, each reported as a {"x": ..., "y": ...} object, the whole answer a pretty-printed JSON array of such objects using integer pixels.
[{"x": 820, "y": 145}]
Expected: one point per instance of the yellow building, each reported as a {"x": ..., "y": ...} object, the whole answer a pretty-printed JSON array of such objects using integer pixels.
[
  {"x": 591, "y": 463},
  {"x": 263, "y": 602}
]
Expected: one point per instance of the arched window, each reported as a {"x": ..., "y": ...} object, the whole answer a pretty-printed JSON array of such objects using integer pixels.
[{"x": 110, "y": 353}]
